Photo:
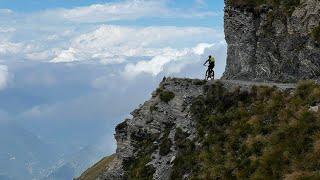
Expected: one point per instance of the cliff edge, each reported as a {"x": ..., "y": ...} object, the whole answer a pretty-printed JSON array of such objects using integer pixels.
[
  {"x": 148, "y": 138},
  {"x": 193, "y": 129},
  {"x": 252, "y": 124},
  {"x": 272, "y": 40}
]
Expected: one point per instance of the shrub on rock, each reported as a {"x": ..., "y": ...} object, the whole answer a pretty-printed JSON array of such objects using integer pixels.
[{"x": 166, "y": 96}]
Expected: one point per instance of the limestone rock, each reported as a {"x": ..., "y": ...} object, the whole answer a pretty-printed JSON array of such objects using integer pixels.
[
  {"x": 315, "y": 108},
  {"x": 152, "y": 118},
  {"x": 265, "y": 45}
]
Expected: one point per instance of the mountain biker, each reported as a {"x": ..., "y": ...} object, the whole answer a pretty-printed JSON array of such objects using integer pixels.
[{"x": 210, "y": 71}]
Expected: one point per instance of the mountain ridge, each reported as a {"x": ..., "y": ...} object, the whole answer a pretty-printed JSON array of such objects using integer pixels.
[
  {"x": 149, "y": 129},
  {"x": 256, "y": 122}
]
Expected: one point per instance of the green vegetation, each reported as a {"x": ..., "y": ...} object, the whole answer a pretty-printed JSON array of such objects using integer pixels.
[
  {"x": 166, "y": 96},
  {"x": 186, "y": 159},
  {"x": 199, "y": 82},
  {"x": 159, "y": 90},
  {"x": 96, "y": 170},
  {"x": 137, "y": 169},
  {"x": 165, "y": 144},
  {"x": 153, "y": 108},
  {"x": 262, "y": 134},
  {"x": 316, "y": 34}
]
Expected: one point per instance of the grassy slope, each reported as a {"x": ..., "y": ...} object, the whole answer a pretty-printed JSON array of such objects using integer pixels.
[
  {"x": 97, "y": 169},
  {"x": 262, "y": 134}
]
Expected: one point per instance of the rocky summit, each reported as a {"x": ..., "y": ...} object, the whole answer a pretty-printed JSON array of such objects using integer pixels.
[{"x": 272, "y": 41}]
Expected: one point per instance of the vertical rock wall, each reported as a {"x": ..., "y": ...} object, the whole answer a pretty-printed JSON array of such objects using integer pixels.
[{"x": 267, "y": 44}]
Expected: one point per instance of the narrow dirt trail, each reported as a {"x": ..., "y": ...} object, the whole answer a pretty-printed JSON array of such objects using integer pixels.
[{"x": 248, "y": 84}]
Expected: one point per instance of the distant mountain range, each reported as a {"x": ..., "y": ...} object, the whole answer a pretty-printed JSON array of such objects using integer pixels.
[
  {"x": 24, "y": 156},
  {"x": 77, "y": 163}
]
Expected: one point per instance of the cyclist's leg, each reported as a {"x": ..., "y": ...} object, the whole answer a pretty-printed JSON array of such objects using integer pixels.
[
  {"x": 213, "y": 72},
  {"x": 207, "y": 74},
  {"x": 210, "y": 72}
]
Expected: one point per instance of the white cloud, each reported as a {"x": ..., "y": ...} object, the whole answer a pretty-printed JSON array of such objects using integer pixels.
[
  {"x": 113, "y": 44},
  {"x": 4, "y": 75},
  {"x": 172, "y": 62},
  {"x": 165, "y": 48},
  {"x": 105, "y": 58},
  {"x": 159, "y": 48},
  {"x": 46, "y": 36},
  {"x": 114, "y": 11},
  {"x": 66, "y": 56},
  {"x": 7, "y": 47},
  {"x": 154, "y": 66},
  {"x": 125, "y": 10},
  {"x": 200, "y": 48},
  {"x": 60, "y": 35},
  {"x": 33, "y": 54}
]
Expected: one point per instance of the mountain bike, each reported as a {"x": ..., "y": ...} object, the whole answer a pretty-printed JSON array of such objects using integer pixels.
[{"x": 209, "y": 74}]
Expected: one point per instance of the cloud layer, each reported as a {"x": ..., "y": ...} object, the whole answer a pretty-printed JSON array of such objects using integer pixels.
[
  {"x": 140, "y": 49},
  {"x": 81, "y": 35},
  {"x": 69, "y": 75},
  {"x": 109, "y": 42}
]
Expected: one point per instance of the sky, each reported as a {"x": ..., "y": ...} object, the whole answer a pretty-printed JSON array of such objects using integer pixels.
[{"x": 71, "y": 70}]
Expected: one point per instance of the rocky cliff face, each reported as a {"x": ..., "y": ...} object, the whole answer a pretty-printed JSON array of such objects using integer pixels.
[
  {"x": 153, "y": 126},
  {"x": 147, "y": 144},
  {"x": 271, "y": 43}
]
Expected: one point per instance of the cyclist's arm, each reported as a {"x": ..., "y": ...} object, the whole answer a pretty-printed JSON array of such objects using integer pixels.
[{"x": 206, "y": 62}]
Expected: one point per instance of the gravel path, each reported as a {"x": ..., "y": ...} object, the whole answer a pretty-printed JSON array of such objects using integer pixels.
[{"x": 246, "y": 85}]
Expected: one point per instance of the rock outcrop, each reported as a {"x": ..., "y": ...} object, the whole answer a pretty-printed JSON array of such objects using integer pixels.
[
  {"x": 151, "y": 119},
  {"x": 266, "y": 43},
  {"x": 154, "y": 125}
]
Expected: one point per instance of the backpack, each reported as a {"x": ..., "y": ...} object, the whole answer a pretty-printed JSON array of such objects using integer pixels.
[{"x": 212, "y": 60}]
